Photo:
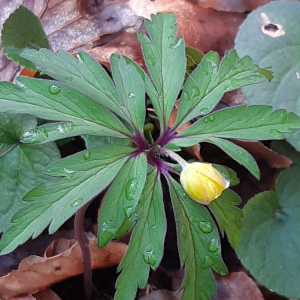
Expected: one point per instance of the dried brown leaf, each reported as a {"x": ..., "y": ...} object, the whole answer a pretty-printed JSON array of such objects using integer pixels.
[
  {"x": 62, "y": 260},
  {"x": 260, "y": 151},
  {"x": 240, "y": 6},
  {"x": 237, "y": 286}
]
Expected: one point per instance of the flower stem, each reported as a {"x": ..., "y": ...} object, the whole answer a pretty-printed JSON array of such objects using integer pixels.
[{"x": 174, "y": 156}]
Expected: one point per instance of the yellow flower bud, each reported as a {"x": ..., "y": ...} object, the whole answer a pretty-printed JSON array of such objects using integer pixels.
[{"x": 203, "y": 182}]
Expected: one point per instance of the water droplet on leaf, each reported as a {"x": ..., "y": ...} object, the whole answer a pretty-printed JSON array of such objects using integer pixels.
[
  {"x": 54, "y": 89},
  {"x": 211, "y": 118},
  {"x": 195, "y": 92},
  {"x": 77, "y": 202},
  {"x": 206, "y": 226},
  {"x": 68, "y": 78},
  {"x": 107, "y": 232},
  {"x": 37, "y": 135},
  {"x": 213, "y": 245},
  {"x": 151, "y": 60},
  {"x": 149, "y": 257},
  {"x": 68, "y": 171},
  {"x": 86, "y": 155},
  {"x": 131, "y": 95},
  {"x": 204, "y": 111},
  {"x": 131, "y": 189},
  {"x": 207, "y": 261},
  {"x": 128, "y": 211}
]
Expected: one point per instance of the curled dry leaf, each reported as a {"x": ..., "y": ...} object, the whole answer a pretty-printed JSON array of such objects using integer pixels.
[
  {"x": 62, "y": 260},
  {"x": 237, "y": 286},
  {"x": 233, "y": 5},
  {"x": 110, "y": 26},
  {"x": 260, "y": 151}
]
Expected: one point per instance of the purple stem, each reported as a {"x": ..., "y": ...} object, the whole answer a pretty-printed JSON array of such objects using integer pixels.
[{"x": 86, "y": 255}]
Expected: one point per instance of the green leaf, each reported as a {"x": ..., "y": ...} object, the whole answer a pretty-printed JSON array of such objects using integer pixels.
[
  {"x": 83, "y": 74},
  {"x": 83, "y": 177},
  {"x": 131, "y": 89},
  {"x": 228, "y": 215},
  {"x": 92, "y": 141},
  {"x": 270, "y": 236},
  {"x": 146, "y": 243},
  {"x": 207, "y": 84},
  {"x": 122, "y": 198},
  {"x": 165, "y": 60},
  {"x": 54, "y": 101},
  {"x": 255, "y": 122},
  {"x": 23, "y": 30},
  {"x": 228, "y": 173},
  {"x": 198, "y": 243},
  {"x": 282, "y": 53},
  {"x": 21, "y": 166},
  {"x": 239, "y": 154}
]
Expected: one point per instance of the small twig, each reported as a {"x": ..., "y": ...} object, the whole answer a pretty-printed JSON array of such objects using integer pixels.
[{"x": 84, "y": 246}]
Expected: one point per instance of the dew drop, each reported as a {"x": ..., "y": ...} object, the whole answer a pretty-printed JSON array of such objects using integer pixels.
[
  {"x": 54, "y": 89},
  {"x": 213, "y": 245},
  {"x": 194, "y": 219},
  {"x": 37, "y": 135},
  {"x": 131, "y": 189},
  {"x": 205, "y": 120},
  {"x": 141, "y": 176},
  {"x": 211, "y": 118},
  {"x": 298, "y": 75},
  {"x": 206, "y": 226},
  {"x": 223, "y": 273},
  {"x": 86, "y": 155},
  {"x": 131, "y": 95},
  {"x": 68, "y": 171},
  {"x": 107, "y": 232},
  {"x": 77, "y": 202},
  {"x": 184, "y": 195},
  {"x": 195, "y": 92},
  {"x": 68, "y": 79},
  {"x": 134, "y": 217},
  {"x": 207, "y": 261},
  {"x": 128, "y": 211},
  {"x": 186, "y": 95},
  {"x": 151, "y": 60},
  {"x": 149, "y": 257},
  {"x": 204, "y": 111}
]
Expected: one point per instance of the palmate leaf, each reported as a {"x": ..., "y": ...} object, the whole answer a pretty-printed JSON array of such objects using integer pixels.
[
  {"x": 85, "y": 175},
  {"x": 83, "y": 74},
  {"x": 270, "y": 236},
  {"x": 131, "y": 89},
  {"x": 21, "y": 166},
  {"x": 198, "y": 243},
  {"x": 23, "y": 30},
  {"x": 54, "y": 101},
  {"x": 255, "y": 122},
  {"x": 238, "y": 153},
  {"x": 165, "y": 59},
  {"x": 146, "y": 243},
  {"x": 122, "y": 198},
  {"x": 228, "y": 215},
  {"x": 207, "y": 84}
]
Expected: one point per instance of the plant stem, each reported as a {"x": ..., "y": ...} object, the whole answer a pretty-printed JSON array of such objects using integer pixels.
[
  {"x": 174, "y": 156},
  {"x": 86, "y": 255}
]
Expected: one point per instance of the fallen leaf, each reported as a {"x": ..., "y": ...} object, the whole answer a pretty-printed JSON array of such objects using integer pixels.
[
  {"x": 162, "y": 295},
  {"x": 62, "y": 260},
  {"x": 236, "y": 286},
  {"x": 240, "y": 6},
  {"x": 260, "y": 151},
  {"x": 46, "y": 295}
]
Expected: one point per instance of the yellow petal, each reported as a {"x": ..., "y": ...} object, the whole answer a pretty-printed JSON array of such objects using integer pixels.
[{"x": 203, "y": 182}]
